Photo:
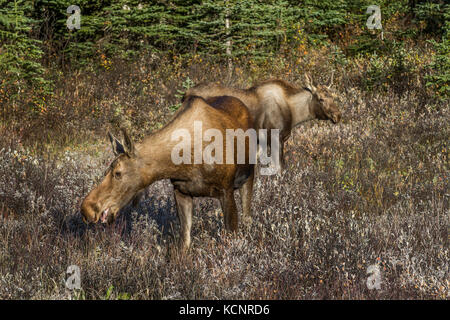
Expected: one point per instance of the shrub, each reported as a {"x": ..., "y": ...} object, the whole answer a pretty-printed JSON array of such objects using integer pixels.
[
  {"x": 439, "y": 80},
  {"x": 20, "y": 60}
]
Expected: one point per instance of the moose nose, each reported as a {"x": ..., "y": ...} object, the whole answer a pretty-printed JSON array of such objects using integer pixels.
[{"x": 89, "y": 211}]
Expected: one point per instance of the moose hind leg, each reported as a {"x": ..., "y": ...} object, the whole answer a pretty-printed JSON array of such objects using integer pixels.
[
  {"x": 229, "y": 210},
  {"x": 246, "y": 192},
  {"x": 185, "y": 209}
]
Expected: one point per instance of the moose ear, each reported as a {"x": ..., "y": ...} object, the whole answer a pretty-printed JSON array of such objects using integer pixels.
[
  {"x": 116, "y": 145},
  {"x": 309, "y": 84},
  {"x": 331, "y": 80},
  {"x": 127, "y": 143}
]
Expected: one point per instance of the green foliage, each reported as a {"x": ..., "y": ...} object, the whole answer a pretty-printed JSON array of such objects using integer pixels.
[
  {"x": 109, "y": 292},
  {"x": 323, "y": 18},
  {"x": 259, "y": 29},
  {"x": 375, "y": 74},
  {"x": 393, "y": 71},
  {"x": 133, "y": 26},
  {"x": 20, "y": 59},
  {"x": 439, "y": 80},
  {"x": 256, "y": 28},
  {"x": 78, "y": 294},
  {"x": 118, "y": 296},
  {"x": 337, "y": 56},
  {"x": 188, "y": 83},
  {"x": 433, "y": 14}
]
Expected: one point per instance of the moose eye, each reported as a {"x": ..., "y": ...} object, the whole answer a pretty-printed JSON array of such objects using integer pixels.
[{"x": 117, "y": 175}]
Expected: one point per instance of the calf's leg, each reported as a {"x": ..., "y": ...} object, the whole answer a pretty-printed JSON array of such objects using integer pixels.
[{"x": 246, "y": 192}]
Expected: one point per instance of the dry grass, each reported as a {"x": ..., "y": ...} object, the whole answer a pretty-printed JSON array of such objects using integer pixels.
[{"x": 370, "y": 190}]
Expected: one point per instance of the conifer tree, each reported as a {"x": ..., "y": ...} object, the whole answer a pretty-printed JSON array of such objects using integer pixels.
[{"x": 20, "y": 56}]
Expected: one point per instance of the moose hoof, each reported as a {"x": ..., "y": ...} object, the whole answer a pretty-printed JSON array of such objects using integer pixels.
[
  {"x": 184, "y": 247},
  {"x": 247, "y": 221}
]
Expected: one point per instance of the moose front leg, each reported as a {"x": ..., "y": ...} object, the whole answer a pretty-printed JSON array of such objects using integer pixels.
[
  {"x": 284, "y": 136},
  {"x": 281, "y": 160},
  {"x": 277, "y": 151},
  {"x": 185, "y": 209},
  {"x": 246, "y": 192},
  {"x": 229, "y": 210}
]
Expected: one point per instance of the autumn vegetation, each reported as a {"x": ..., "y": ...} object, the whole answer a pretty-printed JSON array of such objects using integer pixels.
[{"x": 371, "y": 190}]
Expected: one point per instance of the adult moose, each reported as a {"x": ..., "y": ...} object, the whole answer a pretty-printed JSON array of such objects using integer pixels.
[
  {"x": 277, "y": 104},
  {"x": 138, "y": 165}
]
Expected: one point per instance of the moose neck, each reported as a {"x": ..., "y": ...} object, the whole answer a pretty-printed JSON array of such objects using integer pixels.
[
  {"x": 155, "y": 157},
  {"x": 301, "y": 105}
]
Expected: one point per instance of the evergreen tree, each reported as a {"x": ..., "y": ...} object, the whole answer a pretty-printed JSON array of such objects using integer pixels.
[
  {"x": 256, "y": 28},
  {"x": 20, "y": 57},
  {"x": 439, "y": 80}
]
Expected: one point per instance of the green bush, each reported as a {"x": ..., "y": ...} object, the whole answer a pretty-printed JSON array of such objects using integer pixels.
[
  {"x": 439, "y": 79},
  {"x": 395, "y": 70},
  {"x": 433, "y": 16},
  {"x": 21, "y": 54}
]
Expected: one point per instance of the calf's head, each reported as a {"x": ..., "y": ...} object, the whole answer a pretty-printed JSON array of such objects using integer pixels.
[
  {"x": 323, "y": 104},
  {"x": 122, "y": 180}
]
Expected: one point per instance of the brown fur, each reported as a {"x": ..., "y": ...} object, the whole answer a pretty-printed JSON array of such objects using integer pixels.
[
  {"x": 277, "y": 104},
  {"x": 137, "y": 166}
]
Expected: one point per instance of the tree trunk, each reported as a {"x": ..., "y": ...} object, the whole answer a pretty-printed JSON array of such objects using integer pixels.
[{"x": 228, "y": 42}]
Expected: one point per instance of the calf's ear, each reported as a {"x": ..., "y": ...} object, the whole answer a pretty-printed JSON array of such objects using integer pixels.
[{"x": 309, "y": 84}]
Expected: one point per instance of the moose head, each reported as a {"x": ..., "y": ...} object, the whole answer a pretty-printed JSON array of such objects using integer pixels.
[
  {"x": 122, "y": 181},
  {"x": 323, "y": 104}
]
